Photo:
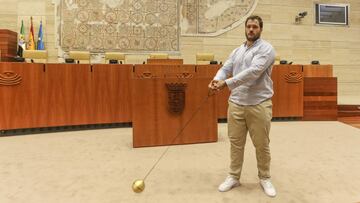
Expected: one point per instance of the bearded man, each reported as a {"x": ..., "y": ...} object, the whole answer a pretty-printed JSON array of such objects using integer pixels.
[{"x": 247, "y": 73}]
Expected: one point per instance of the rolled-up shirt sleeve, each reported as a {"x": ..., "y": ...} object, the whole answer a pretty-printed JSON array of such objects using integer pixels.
[{"x": 262, "y": 60}]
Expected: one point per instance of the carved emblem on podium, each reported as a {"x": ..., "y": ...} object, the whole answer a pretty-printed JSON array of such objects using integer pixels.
[
  {"x": 146, "y": 75},
  {"x": 176, "y": 97},
  {"x": 9, "y": 78},
  {"x": 293, "y": 77},
  {"x": 185, "y": 75}
]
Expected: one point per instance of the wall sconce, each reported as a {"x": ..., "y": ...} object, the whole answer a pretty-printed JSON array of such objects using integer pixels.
[{"x": 300, "y": 16}]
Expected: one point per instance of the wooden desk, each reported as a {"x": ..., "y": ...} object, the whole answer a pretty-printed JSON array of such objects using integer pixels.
[
  {"x": 320, "y": 98},
  {"x": 318, "y": 70},
  {"x": 50, "y": 95},
  {"x": 320, "y": 93},
  {"x": 165, "y": 61},
  {"x": 68, "y": 94},
  {"x": 45, "y": 95},
  {"x": 8, "y": 45},
  {"x": 80, "y": 94},
  {"x": 22, "y": 97},
  {"x": 112, "y": 93}
]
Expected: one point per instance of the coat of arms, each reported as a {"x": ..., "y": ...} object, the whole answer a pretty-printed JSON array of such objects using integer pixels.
[{"x": 176, "y": 97}]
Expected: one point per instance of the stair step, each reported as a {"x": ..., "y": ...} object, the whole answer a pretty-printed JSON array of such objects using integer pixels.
[{"x": 348, "y": 110}]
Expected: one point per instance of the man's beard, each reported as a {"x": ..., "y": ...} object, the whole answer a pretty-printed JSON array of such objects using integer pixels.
[{"x": 253, "y": 38}]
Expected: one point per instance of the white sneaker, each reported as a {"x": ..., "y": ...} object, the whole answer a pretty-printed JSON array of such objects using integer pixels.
[
  {"x": 229, "y": 183},
  {"x": 268, "y": 187}
]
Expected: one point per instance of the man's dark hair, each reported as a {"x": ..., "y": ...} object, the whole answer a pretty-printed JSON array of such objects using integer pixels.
[{"x": 255, "y": 17}]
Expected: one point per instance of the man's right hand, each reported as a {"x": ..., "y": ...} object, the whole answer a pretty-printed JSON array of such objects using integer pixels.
[{"x": 212, "y": 86}]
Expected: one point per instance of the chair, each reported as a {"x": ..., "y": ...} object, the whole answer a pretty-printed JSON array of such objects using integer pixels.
[
  {"x": 119, "y": 57},
  {"x": 159, "y": 56},
  {"x": 35, "y": 56},
  {"x": 80, "y": 56},
  {"x": 204, "y": 58}
]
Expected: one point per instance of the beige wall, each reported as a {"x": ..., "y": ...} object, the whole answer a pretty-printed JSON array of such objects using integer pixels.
[{"x": 299, "y": 43}]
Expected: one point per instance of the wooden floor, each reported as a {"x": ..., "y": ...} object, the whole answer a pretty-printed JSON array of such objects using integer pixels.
[{"x": 353, "y": 121}]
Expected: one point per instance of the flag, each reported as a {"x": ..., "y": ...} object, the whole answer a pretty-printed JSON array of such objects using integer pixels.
[
  {"x": 31, "y": 42},
  {"x": 21, "y": 43},
  {"x": 40, "y": 42}
]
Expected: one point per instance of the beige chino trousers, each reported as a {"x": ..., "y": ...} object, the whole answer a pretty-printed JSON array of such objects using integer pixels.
[{"x": 257, "y": 120}]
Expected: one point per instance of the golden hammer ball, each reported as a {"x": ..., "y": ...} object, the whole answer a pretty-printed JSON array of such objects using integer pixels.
[{"x": 138, "y": 186}]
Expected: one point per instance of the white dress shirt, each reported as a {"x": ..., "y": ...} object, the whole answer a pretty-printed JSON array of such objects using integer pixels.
[{"x": 248, "y": 70}]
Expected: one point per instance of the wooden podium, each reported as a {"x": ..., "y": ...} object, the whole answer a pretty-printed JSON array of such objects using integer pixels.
[
  {"x": 164, "y": 98},
  {"x": 222, "y": 97},
  {"x": 288, "y": 96},
  {"x": 8, "y": 45},
  {"x": 320, "y": 93}
]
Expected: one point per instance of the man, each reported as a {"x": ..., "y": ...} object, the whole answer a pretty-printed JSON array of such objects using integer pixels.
[{"x": 247, "y": 73}]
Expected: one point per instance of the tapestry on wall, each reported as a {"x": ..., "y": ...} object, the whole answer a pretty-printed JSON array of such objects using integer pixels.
[
  {"x": 119, "y": 25},
  {"x": 213, "y": 17}
]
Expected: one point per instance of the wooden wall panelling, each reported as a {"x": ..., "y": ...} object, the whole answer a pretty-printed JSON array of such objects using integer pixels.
[
  {"x": 153, "y": 124},
  {"x": 111, "y": 87},
  {"x": 69, "y": 97},
  {"x": 318, "y": 70},
  {"x": 21, "y": 95},
  {"x": 288, "y": 91},
  {"x": 320, "y": 98}
]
